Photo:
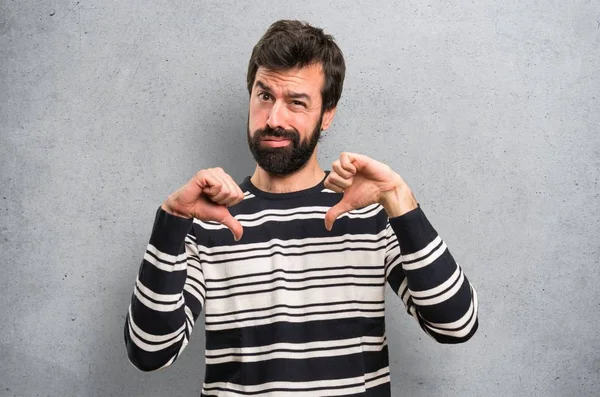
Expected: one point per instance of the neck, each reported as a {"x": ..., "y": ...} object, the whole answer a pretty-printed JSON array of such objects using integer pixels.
[{"x": 308, "y": 176}]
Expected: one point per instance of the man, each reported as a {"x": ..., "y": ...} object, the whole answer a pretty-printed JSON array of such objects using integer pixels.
[{"x": 290, "y": 266}]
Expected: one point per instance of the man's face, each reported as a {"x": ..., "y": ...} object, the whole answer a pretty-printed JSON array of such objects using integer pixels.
[{"x": 285, "y": 118}]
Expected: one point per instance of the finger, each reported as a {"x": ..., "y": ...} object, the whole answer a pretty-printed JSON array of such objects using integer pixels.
[
  {"x": 228, "y": 201},
  {"x": 208, "y": 182},
  {"x": 234, "y": 225},
  {"x": 240, "y": 193},
  {"x": 230, "y": 193},
  {"x": 346, "y": 161},
  {"x": 332, "y": 186},
  {"x": 222, "y": 194},
  {"x": 335, "y": 212},
  {"x": 236, "y": 194},
  {"x": 335, "y": 180},
  {"x": 219, "y": 195},
  {"x": 337, "y": 167}
]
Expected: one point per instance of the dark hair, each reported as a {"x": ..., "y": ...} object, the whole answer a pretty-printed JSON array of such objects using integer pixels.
[{"x": 288, "y": 44}]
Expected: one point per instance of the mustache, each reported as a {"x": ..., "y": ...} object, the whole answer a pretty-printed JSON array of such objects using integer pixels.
[{"x": 266, "y": 132}]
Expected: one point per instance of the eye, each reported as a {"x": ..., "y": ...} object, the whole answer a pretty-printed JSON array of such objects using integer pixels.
[
  {"x": 299, "y": 103},
  {"x": 264, "y": 96}
]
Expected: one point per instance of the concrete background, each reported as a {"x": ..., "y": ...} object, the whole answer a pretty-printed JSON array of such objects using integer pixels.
[{"x": 490, "y": 110}]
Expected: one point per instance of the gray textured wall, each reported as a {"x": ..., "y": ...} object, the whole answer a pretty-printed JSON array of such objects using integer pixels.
[{"x": 490, "y": 110}]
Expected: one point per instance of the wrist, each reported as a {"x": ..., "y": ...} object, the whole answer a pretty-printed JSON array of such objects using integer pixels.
[
  {"x": 168, "y": 209},
  {"x": 398, "y": 201}
]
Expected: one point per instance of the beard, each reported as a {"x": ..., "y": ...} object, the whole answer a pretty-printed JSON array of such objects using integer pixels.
[{"x": 286, "y": 159}]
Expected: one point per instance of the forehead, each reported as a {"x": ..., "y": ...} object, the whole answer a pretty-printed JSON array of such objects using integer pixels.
[{"x": 309, "y": 79}]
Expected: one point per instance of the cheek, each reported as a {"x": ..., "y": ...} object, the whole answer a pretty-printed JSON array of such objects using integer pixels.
[
  {"x": 307, "y": 123},
  {"x": 257, "y": 117}
]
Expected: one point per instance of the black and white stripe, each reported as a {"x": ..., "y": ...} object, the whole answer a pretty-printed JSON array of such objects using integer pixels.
[{"x": 293, "y": 309}]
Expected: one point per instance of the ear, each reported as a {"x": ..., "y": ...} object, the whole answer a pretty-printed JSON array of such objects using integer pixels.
[{"x": 327, "y": 118}]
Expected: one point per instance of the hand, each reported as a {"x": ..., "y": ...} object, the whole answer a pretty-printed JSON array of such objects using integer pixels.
[
  {"x": 206, "y": 197},
  {"x": 365, "y": 181}
]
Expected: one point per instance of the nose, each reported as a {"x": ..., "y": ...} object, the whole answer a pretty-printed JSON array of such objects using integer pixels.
[{"x": 277, "y": 116}]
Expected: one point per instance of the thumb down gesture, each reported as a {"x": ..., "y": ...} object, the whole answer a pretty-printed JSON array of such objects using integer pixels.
[{"x": 365, "y": 181}]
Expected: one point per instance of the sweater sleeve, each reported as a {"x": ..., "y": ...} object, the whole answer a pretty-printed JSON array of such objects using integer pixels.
[
  {"x": 423, "y": 273},
  {"x": 168, "y": 295}
]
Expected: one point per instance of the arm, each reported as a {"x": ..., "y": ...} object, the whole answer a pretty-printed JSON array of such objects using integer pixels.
[
  {"x": 168, "y": 295},
  {"x": 419, "y": 266},
  {"x": 170, "y": 289},
  {"x": 423, "y": 273}
]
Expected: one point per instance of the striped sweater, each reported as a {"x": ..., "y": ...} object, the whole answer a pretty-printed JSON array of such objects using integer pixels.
[{"x": 293, "y": 309}]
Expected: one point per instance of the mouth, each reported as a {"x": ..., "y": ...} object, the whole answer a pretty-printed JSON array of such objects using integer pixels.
[{"x": 276, "y": 142}]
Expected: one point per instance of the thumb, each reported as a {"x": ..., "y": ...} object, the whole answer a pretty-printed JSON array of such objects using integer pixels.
[
  {"x": 335, "y": 212},
  {"x": 234, "y": 225}
]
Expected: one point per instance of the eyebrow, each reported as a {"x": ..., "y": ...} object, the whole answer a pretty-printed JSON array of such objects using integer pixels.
[{"x": 291, "y": 94}]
